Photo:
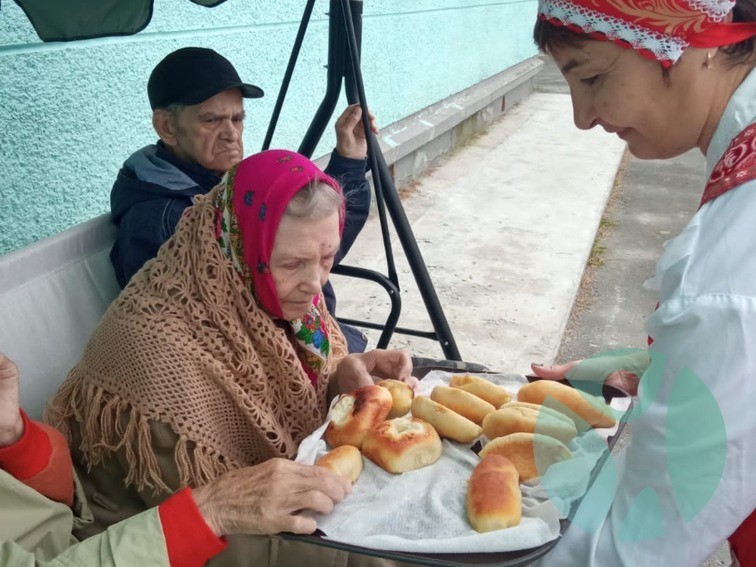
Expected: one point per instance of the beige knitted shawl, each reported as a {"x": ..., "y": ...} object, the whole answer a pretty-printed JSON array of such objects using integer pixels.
[{"x": 186, "y": 344}]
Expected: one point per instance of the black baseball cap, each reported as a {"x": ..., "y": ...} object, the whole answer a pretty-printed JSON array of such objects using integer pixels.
[{"x": 192, "y": 75}]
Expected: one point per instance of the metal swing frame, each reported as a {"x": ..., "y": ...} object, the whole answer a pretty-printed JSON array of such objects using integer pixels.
[{"x": 344, "y": 42}]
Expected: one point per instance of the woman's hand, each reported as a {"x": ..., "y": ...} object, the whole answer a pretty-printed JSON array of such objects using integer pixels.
[
  {"x": 358, "y": 370},
  {"x": 270, "y": 498},
  {"x": 350, "y": 133},
  {"x": 11, "y": 423},
  {"x": 622, "y": 379}
]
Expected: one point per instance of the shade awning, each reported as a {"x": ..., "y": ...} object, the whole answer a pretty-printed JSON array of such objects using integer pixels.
[{"x": 69, "y": 20}]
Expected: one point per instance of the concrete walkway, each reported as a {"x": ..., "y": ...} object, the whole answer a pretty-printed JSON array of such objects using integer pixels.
[{"x": 505, "y": 225}]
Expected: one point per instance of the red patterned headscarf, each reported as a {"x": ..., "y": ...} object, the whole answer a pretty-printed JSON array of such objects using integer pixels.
[
  {"x": 253, "y": 197},
  {"x": 658, "y": 29}
]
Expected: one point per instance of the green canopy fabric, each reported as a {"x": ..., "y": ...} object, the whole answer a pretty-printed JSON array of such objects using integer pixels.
[{"x": 68, "y": 20}]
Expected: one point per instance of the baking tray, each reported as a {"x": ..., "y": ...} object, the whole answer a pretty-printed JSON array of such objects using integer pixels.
[{"x": 499, "y": 559}]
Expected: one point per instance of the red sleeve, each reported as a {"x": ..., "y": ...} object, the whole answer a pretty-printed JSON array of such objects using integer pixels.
[
  {"x": 41, "y": 460},
  {"x": 29, "y": 455},
  {"x": 743, "y": 542},
  {"x": 189, "y": 540}
]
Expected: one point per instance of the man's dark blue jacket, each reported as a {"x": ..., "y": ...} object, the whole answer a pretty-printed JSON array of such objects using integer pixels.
[{"x": 154, "y": 187}]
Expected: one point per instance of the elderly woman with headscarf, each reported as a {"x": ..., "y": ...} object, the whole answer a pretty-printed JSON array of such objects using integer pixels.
[
  {"x": 668, "y": 76},
  {"x": 220, "y": 354}
]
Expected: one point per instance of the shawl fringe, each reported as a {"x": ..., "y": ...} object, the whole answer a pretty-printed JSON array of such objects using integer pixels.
[{"x": 109, "y": 424}]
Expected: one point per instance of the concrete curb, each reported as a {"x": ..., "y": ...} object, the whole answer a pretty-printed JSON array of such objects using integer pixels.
[{"x": 416, "y": 142}]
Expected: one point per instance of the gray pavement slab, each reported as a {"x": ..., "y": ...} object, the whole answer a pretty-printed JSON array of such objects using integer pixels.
[
  {"x": 505, "y": 226},
  {"x": 651, "y": 203}
]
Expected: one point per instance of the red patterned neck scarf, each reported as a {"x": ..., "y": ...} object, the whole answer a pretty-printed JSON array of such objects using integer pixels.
[
  {"x": 252, "y": 199},
  {"x": 736, "y": 166}
]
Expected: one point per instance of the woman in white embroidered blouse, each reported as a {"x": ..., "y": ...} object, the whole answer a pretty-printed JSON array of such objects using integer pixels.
[{"x": 668, "y": 76}]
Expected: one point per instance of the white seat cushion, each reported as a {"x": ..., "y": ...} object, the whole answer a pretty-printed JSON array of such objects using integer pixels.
[{"x": 53, "y": 293}]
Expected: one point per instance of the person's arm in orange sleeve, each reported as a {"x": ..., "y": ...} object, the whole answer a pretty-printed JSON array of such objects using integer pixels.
[
  {"x": 40, "y": 459},
  {"x": 37, "y": 455}
]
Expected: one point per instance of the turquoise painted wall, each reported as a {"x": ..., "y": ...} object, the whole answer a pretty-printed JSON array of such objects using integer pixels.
[{"x": 71, "y": 113}]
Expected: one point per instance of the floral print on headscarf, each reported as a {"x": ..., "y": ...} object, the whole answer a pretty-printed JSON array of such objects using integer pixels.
[{"x": 253, "y": 198}]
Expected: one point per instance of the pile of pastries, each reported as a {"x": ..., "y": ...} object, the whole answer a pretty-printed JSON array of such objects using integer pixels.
[{"x": 400, "y": 432}]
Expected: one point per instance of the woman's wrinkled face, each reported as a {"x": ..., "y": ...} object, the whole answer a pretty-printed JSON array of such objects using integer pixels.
[
  {"x": 302, "y": 259},
  {"x": 628, "y": 95}
]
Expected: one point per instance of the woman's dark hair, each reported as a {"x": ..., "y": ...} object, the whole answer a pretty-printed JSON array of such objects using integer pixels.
[
  {"x": 548, "y": 36},
  {"x": 743, "y": 52}
]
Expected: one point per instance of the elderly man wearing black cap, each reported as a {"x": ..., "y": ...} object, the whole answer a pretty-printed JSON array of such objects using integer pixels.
[{"x": 196, "y": 97}]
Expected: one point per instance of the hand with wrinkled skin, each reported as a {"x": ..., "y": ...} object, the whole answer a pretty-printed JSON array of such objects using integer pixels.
[
  {"x": 11, "y": 423},
  {"x": 350, "y": 133},
  {"x": 270, "y": 498},
  {"x": 357, "y": 370},
  {"x": 622, "y": 379}
]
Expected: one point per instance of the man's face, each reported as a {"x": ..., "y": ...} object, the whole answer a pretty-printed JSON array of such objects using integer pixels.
[{"x": 210, "y": 133}]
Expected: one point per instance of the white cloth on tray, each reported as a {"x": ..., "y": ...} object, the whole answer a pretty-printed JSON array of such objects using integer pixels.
[{"x": 425, "y": 510}]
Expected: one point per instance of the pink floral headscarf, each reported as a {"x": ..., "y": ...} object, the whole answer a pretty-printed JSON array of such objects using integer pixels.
[{"x": 253, "y": 198}]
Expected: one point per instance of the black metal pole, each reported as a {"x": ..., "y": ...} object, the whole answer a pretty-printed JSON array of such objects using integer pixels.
[
  {"x": 288, "y": 74},
  {"x": 390, "y": 326},
  {"x": 344, "y": 40},
  {"x": 355, "y": 93},
  {"x": 382, "y": 175},
  {"x": 350, "y": 88},
  {"x": 334, "y": 78}
]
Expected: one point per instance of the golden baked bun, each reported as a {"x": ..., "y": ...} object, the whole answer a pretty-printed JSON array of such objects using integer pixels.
[
  {"x": 345, "y": 461},
  {"x": 514, "y": 417},
  {"x": 494, "y": 501},
  {"x": 402, "y": 444},
  {"x": 536, "y": 407},
  {"x": 530, "y": 453},
  {"x": 588, "y": 408},
  {"x": 401, "y": 395},
  {"x": 354, "y": 414},
  {"x": 484, "y": 389},
  {"x": 447, "y": 423},
  {"x": 464, "y": 403}
]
